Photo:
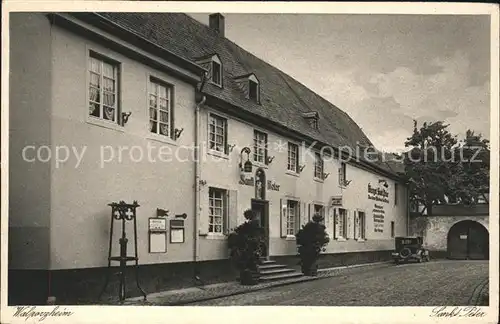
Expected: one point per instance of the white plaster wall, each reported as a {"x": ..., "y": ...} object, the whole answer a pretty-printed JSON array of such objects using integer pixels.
[{"x": 80, "y": 214}]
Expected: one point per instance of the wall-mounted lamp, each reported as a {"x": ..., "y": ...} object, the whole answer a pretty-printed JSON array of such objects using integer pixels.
[
  {"x": 178, "y": 132},
  {"x": 184, "y": 216},
  {"x": 161, "y": 212},
  {"x": 384, "y": 183},
  {"x": 269, "y": 159},
  {"x": 203, "y": 182},
  {"x": 246, "y": 167},
  {"x": 301, "y": 167},
  {"x": 230, "y": 148},
  {"x": 125, "y": 117},
  {"x": 325, "y": 175}
]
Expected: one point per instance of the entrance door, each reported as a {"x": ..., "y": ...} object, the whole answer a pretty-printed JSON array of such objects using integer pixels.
[
  {"x": 468, "y": 240},
  {"x": 261, "y": 210}
]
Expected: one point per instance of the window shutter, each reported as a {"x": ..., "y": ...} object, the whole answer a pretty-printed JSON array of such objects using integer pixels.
[
  {"x": 331, "y": 221},
  {"x": 232, "y": 210},
  {"x": 335, "y": 223},
  {"x": 203, "y": 220},
  {"x": 347, "y": 224},
  {"x": 283, "y": 217},
  {"x": 226, "y": 144},
  {"x": 356, "y": 224},
  {"x": 340, "y": 176},
  {"x": 310, "y": 212}
]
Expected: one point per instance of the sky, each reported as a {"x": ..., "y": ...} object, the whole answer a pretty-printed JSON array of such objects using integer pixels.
[{"x": 383, "y": 70}]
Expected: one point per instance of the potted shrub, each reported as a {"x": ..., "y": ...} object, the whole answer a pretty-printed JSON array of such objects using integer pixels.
[
  {"x": 245, "y": 244},
  {"x": 311, "y": 239}
]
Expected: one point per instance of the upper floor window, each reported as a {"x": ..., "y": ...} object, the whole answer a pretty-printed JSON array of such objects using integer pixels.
[
  {"x": 318, "y": 166},
  {"x": 160, "y": 108},
  {"x": 216, "y": 71},
  {"x": 259, "y": 146},
  {"x": 103, "y": 88},
  {"x": 293, "y": 157},
  {"x": 217, "y": 133},
  {"x": 395, "y": 193},
  {"x": 342, "y": 174}
]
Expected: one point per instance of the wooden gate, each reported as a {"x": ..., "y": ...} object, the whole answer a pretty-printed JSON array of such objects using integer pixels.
[{"x": 468, "y": 240}]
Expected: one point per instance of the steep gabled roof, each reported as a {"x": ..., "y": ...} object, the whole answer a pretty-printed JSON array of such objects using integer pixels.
[{"x": 283, "y": 100}]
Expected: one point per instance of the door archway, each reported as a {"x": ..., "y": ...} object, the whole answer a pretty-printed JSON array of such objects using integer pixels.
[{"x": 468, "y": 240}]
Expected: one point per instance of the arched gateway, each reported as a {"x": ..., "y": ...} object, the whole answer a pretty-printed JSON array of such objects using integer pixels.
[{"x": 468, "y": 240}]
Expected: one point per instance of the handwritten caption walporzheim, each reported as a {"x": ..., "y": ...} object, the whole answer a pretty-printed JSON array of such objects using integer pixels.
[
  {"x": 32, "y": 312},
  {"x": 466, "y": 311}
]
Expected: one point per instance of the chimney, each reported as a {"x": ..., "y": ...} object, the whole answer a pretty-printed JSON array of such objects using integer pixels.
[{"x": 216, "y": 22}]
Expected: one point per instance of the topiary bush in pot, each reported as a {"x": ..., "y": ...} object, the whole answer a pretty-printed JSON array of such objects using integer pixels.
[
  {"x": 311, "y": 239},
  {"x": 244, "y": 244}
]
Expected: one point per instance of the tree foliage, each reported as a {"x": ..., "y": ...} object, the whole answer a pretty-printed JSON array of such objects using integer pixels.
[{"x": 442, "y": 169}]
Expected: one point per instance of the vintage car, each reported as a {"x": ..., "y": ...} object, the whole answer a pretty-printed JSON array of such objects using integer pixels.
[{"x": 409, "y": 249}]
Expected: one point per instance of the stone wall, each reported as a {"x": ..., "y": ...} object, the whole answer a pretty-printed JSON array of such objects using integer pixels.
[{"x": 434, "y": 229}]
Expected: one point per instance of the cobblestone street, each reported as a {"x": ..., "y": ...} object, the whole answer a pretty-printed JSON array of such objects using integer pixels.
[{"x": 451, "y": 283}]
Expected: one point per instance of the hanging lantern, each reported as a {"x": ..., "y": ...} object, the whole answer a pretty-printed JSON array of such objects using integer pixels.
[{"x": 246, "y": 167}]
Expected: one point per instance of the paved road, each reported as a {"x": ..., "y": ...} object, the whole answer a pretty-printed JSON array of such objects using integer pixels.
[{"x": 426, "y": 284}]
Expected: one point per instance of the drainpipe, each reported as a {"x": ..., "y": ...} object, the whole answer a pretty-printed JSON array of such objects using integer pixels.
[{"x": 200, "y": 100}]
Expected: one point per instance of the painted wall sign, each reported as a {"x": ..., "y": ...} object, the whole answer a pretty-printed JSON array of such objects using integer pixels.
[
  {"x": 336, "y": 201},
  {"x": 247, "y": 182},
  {"x": 378, "y": 218},
  {"x": 378, "y": 194},
  {"x": 273, "y": 186}
]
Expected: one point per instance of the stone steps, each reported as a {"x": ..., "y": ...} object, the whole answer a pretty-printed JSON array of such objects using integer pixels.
[{"x": 272, "y": 271}]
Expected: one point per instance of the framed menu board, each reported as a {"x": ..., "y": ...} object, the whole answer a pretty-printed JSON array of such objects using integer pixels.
[{"x": 157, "y": 235}]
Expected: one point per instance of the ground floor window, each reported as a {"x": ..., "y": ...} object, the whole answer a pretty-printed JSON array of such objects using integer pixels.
[
  {"x": 392, "y": 229},
  {"x": 360, "y": 225},
  {"x": 217, "y": 210},
  {"x": 292, "y": 212},
  {"x": 341, "y": 223}
]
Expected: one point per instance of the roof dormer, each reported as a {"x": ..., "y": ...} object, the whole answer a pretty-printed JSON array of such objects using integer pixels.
[
  {"x": 250, "y": 85},
  {"x": 213, "y": 65},
  {"x": 313, "y": 118}
]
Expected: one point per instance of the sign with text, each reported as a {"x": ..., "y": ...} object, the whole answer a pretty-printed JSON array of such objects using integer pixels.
[
  {"x": 336, "y": 201},
  {"x": 378, "y": 218},
  {"x": 378, "y": 194}
]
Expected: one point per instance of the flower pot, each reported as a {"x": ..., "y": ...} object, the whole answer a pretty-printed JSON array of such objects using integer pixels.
[{"x": 249, "y": 277}]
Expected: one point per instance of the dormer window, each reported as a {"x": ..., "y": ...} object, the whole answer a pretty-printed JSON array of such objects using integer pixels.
[
  {"x": 313, "y": 118},
  {"x": 213, "y": 65},
  {"x": 253, "y": 90},
  {"x": 250, "y": 85},
  {"x": 216, "y": 73}
]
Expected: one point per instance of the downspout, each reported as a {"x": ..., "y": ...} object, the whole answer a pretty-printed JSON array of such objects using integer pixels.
[
  {"x": 197, "y": 171},
  {"x": 200, "y": 99}
]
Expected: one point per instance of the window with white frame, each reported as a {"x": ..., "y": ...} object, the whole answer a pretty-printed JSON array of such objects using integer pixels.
[
  {"x": 217, "y": 210},
  {"x": 160, "y": 108},
  {"x": 318, "y": 166},
  {"x": 103, "y": 88},
  {"x": 217, "y": 133},
  {"x": 292, "y": 213},
  {"x": 259, "y": 146},
  {"x": 341, "y": 223},
  {"x": 360, "y": 226},
  {"x": 293, "y": 157}
]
